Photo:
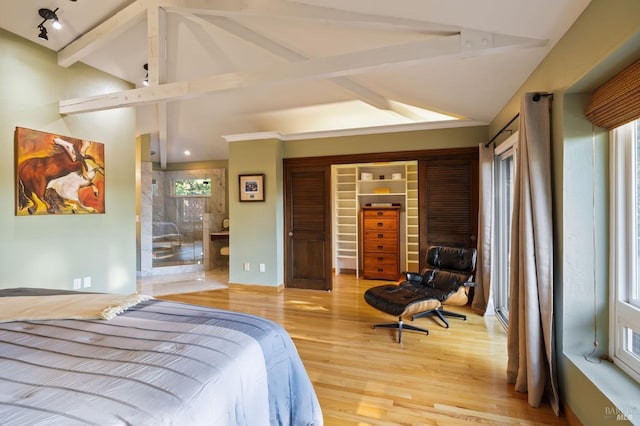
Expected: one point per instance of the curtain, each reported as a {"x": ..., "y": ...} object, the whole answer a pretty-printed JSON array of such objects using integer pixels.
[
  {"x": 482, "y": 300},
  {"x": 530, "y": 345}
]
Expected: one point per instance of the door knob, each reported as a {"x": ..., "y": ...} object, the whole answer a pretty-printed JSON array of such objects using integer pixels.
[{"x": 291, "y": 233}]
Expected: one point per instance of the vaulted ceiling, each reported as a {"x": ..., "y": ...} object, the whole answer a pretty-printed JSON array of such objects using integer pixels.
[{"x": 224, "y": 67}]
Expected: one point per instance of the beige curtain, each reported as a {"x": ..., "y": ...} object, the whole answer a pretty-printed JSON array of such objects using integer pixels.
[
  {"x": 531, "y": 365},
  {"x": 482, "y": 300}
]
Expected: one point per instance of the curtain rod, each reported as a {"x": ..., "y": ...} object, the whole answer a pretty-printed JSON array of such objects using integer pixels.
[{"x": 536, "y": 98}]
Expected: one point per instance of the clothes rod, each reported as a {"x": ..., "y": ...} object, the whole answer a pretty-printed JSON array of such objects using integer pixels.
[{"x": 536, "y": 98}]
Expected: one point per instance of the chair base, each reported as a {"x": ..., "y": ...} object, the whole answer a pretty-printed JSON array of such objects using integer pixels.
[
  {"x": 440, "y": 313},
  {"x": 400, "y": 325}
]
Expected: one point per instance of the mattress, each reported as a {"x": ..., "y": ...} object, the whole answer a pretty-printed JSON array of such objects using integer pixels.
[{"x": 158, "y": 363}]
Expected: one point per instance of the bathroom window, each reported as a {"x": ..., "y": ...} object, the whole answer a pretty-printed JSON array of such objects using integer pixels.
[{"x": 192, "y": 188}]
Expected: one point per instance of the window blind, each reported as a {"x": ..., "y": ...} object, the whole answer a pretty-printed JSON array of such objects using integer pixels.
[{"x": 617, "y": 101}]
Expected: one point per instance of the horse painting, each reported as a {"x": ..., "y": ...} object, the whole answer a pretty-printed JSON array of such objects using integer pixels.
[{"x": 58, "y": 174}]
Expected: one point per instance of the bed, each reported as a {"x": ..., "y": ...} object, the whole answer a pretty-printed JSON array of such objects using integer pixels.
[{"x": 154, "y": 363}]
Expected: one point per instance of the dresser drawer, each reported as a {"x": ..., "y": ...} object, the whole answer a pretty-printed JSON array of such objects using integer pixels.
[
  {"x": 381, "y": 267},
  {"x": 380, "y": 223},
  {"x": 380, "y": 259},
  {"x": 380, "y": 213},
  {"x": 381, "y": 272},
  {"x": 374, "y": 244}
]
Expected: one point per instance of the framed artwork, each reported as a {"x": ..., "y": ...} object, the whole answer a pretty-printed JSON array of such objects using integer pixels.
[
  {"x": 58, "y": 174},
  {"x": 251, "y": 187}
]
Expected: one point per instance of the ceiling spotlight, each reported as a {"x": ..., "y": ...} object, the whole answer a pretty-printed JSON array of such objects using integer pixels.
[
  {"x": 146, "y": 77},
  {"x": 47, "y": 14},
  {"x": 43, "y": 32}
]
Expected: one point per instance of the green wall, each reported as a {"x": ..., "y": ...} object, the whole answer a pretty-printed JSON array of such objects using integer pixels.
[
  {"x": 50, "y": 251},
  {"x": 386, "y": 142},
  {"x": 603, "y": 41},
  {"x": 256, "y": 228}
]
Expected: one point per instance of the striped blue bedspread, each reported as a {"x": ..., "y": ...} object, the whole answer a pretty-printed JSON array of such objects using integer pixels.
[{"x": 159, "y": 363}]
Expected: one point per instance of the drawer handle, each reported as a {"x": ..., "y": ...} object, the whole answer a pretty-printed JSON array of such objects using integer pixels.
[
  {"x": 380, "y": 247},
  {"x": 380, "y": 224},
  {"x": 380, "y": 213},
  {"x": 380, "y": 259},
  {"x": 380, "y": 270},
  {"x": 380, "y": 235}
]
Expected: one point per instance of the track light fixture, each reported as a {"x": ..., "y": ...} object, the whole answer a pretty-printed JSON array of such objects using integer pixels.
[
  {"x": 47, "y": 14},
  {"x": 43, "y": 32},
  {"x": 146, "y": 77}
]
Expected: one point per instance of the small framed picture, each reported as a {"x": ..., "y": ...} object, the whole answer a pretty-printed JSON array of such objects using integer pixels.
[{"x": 251, "y": 187}]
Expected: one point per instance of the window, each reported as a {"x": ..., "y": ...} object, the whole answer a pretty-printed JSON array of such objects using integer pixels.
[
  {"x": 504, "y": 171},
  {"x": 193, "y": 188},
  {"x": 625, "y": 247}
]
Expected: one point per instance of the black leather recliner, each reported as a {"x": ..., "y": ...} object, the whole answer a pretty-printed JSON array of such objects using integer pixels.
[
  {"x": 449, "y": 274},
  {"x": 445, "y": 280}
]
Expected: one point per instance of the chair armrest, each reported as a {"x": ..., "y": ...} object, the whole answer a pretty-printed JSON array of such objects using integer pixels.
[{"x": 413, "y": 277}]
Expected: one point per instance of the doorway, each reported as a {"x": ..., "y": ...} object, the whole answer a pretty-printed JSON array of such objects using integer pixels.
[
  {"x": 381, "y": 184},
  {"x": 179, "y": 210}
]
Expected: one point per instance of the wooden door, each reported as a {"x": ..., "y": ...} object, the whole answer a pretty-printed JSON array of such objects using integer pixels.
[
  {"x": 448, "y": 197},
  {"x": 308, "y": 227}
]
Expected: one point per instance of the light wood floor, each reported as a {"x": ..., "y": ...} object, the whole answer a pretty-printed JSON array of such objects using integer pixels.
[{"x": 362, "y": 376}]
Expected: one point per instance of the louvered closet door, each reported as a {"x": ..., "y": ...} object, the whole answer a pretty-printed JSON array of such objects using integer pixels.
[
  {"x": 308, "y": 225},
  {"x": 448, "y": 202}
]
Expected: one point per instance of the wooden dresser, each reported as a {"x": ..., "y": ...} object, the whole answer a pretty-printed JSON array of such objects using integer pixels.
[{"x": 381, "y": 242}]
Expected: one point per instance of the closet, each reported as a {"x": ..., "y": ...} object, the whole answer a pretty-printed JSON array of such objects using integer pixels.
[{"x": 373, "y": 187}]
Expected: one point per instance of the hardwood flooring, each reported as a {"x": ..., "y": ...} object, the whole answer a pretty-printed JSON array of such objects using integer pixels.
[{"x": 363, "y": 376}]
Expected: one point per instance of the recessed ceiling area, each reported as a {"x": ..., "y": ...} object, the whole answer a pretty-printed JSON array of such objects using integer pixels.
[{"x": 344, "y": 115}]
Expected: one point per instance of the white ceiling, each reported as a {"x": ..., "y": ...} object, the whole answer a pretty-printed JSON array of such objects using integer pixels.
[{"x": 225, "y": 67}]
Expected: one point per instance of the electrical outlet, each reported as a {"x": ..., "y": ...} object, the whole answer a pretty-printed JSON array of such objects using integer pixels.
[
  {"x": 245, "y": 266},
  {"x": 77, "y": 283},
  {"x": 262, "y": 267},
  {"x": 86, "y": 282}
]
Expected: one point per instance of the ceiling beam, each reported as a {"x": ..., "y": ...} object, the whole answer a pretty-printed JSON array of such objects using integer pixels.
[
  {"x": 155, "y": 45},
  {"x": 108, "y": 30},
  {"x": 312, "y": 69},
  {"x": 286, "y": 10},
  {"x": 163, "y": 130},
  {"x": 363, "y": 93},
  {"x": 157, "y": 66}
]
